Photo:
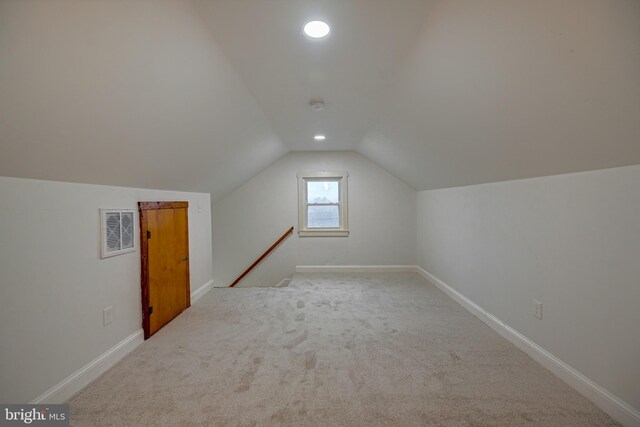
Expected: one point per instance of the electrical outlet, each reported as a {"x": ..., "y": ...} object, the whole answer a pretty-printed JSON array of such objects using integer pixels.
[
  {"x": 107, "y": 315},
  {"x": 537, "y": 309}
]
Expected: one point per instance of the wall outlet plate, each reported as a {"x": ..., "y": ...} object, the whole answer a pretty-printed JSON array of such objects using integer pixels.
[
  {"x": 107, "y": 315},
  {"x": 537, "y": 309}
]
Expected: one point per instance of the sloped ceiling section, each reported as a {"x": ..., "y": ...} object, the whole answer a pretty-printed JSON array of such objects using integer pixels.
[
  {"x": 133, "y": 93},
  {"x": 440, "y": 93},
  {"x": 284, "y": 69},
  {"x": 497, "y": 90}
]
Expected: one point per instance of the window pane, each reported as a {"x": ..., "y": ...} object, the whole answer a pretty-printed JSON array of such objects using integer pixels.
[
  {"x": 323, "y": 217},
  {"x": 323, "y": 192}
]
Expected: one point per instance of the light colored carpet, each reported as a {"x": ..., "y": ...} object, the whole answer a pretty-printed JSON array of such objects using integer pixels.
[{"x": 331, "y": 350}]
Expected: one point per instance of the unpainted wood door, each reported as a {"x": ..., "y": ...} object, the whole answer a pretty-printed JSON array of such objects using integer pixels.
[{"x": 166, "y": 233}]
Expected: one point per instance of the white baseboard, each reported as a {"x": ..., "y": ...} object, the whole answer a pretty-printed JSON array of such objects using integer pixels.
[
  {"x": 219, "y": 285},
  {"x": 284, "y": 282},
  {"x": 609, "y": 403},
  {"x": 201, "y": 291},
  {"x": 75, "y": 382},
  {"x": 355, "y": 269}
]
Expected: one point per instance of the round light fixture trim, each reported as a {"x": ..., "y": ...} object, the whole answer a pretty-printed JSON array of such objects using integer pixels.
[{"x": 316, "y": 29}]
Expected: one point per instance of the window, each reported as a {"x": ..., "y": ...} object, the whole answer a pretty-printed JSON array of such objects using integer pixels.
[
  {"x": 118, "y": 232},
  {"x": 322, "y": 209}
]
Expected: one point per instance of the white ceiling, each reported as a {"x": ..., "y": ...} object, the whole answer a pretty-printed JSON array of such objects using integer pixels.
[
  {"x": 133, "y": 93},
  {"x": 497, "y": 90},
  {"x": 202, "y": 95},
  {"x": 284, "y": 69},
  {"x": 446, "y": 93}
]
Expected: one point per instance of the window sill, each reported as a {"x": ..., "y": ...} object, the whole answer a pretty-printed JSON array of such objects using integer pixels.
[{"x": 323, "y": 233}]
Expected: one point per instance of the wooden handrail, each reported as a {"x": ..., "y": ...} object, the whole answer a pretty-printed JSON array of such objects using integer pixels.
[{"x": 267, "y": 252}]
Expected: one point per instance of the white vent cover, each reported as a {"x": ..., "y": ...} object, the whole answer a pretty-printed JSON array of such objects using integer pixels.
[{"x": 118, "y": 231}]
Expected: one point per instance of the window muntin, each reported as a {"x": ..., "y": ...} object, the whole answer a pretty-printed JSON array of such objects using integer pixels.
[{"x": 323, "y": 204}]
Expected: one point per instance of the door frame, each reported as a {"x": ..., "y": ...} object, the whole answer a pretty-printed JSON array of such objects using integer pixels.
[{"x": 143, "y": 207}]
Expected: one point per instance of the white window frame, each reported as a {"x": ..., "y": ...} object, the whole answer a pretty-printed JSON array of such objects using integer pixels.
[{"x": 341, "y": 177}]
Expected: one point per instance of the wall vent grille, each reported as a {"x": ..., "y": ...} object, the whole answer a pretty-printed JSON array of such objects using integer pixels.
[{"x": 118, "y": 231}]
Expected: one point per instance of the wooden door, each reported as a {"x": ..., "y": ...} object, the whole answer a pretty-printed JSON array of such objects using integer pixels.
[{"x": 164, "y": 236}]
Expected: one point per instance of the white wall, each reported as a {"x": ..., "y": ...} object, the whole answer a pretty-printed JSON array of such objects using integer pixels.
[
  {"x": 53, "y": 284},
  {"x": 570, "y": 241},
  {"x": 382, "y": 220}
]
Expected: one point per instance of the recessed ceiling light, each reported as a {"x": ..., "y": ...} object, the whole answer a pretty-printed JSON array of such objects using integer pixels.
[
  {"x": 316, "y": 29},
  {"x": 319, "y": 137}
]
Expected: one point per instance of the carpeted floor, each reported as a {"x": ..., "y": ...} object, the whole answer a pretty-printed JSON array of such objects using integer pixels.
[{"x": 331, "y": 350}]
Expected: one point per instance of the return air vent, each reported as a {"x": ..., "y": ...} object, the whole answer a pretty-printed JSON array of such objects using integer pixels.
[{"x": 118, "y": 231}]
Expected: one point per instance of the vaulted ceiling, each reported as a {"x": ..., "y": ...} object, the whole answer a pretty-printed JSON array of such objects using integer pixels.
[
  {"x": 496, "y": 90},
  {"x": 131, "y": 93},
  {"x": 284, "y": 69},
  {"x": 202, "y": 95}
]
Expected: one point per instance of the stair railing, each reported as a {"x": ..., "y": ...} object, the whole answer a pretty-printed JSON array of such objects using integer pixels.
[{"x": 263, "y": 256}]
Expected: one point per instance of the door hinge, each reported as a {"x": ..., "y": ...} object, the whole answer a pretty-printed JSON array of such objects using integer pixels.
[
  {"x": 148, "y": 234},
  {"x": 149, "y": 310}
]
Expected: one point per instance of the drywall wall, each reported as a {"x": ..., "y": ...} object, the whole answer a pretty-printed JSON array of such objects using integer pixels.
[
  {"x": 131, "y": 93},
  {"x": 382, "y": 220},
  {"x": 54, "y": 285},
  {"x": 569, "y": 241}
]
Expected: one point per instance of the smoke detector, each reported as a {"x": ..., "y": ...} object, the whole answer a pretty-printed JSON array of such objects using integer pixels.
[{"x": 317, "y": 104}]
